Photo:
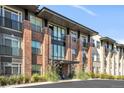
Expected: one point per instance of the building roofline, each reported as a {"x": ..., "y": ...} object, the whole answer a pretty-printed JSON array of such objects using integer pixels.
[
  {"x": 107, "y": 39},
  {"x": 68, "y": 19}
]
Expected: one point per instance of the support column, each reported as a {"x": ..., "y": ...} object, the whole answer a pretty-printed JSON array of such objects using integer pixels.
[
  {"x": 68, "y": 48},
  {"x": 108, "y": 59},
  {"x": 27, "y": 50},
  {"x": 79, "y": 56},
  {"x": 117, "y": 61},
  {"x": 89, "y": 55},
  {"x": 46, "y": 48},
  {"x": 102, "y": 65},
  {"x": 113, "y": 64},
  {"x": 121, "y": 62}
]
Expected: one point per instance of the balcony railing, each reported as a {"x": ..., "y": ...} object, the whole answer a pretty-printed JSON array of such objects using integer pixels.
[
  {"x": 9, "y": 23},
  {"x": 10, "y": 51}
]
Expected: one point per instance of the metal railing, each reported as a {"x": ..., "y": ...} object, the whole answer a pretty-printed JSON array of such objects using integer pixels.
[{"x": 9, "y": 23}]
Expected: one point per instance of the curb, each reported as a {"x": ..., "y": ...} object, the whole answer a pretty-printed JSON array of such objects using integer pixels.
[{"x": 38, "y": 83}]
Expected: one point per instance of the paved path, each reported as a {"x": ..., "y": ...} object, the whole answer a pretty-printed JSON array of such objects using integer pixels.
[{"x": 84, "y": 84}]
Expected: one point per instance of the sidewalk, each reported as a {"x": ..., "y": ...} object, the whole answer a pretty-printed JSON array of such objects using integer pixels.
[{"x": 38, "y": 83}]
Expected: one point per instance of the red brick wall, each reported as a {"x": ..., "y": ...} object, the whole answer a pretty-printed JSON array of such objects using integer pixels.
[
  {"x": 27, "y": 50},
  {"x": 79, "y": 55},
  {"x": 46, "y": 48}
]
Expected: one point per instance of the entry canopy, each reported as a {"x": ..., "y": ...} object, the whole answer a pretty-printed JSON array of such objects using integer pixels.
[
  {"x": 66, "y": 62},
  {"x": 59, "y": 19},
  {"x": 120, "y": 45}
]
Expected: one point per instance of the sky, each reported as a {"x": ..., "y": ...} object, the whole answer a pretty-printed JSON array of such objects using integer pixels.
[{"x": 107, "y": 20}]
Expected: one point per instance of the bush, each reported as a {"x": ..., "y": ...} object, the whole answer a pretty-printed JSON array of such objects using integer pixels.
[
  {"x": 20, "y": 79},
  {"x": 104, "y": 76},
  {"x": 12, "y": 80},
  {"x": 117, "y": 77},
  {"x": 81, "y": 75},
  {"x": 122, "y": 77},
  {"x": 36, "y": 78},
  {"x": 26, "y": 80},
  {"x": 3, "y": 81},
  {"x": 110, "y": 77},
  {"x": 52, "y": 74}
]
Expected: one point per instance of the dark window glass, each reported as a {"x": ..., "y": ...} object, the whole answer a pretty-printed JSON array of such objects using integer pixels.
[
  {"x": 36, "y": 47},
  {"x": 58, "y": 51}
]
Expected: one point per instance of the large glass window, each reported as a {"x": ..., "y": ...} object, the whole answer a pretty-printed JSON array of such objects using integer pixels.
[
  {"x": 36, "y": 68},
  {"x": 10, "y": 46},
  {"x": 58, "y": 33},
  {"x": 36, "y": 47},
  {"x": 36, "y": 23},
  {"x": 58, "y": 51},
  {"x": 98, "y": 44},
  {"x": 11, "y": 18}
]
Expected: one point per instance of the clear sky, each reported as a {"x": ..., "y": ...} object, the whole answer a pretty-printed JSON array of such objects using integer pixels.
[{"x": 107, "y": 20}]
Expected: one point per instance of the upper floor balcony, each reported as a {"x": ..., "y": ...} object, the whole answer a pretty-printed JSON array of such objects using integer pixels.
[{"x": 11, "y": 24}]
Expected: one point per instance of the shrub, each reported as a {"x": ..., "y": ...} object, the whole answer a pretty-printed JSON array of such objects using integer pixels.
[
  {"x": 110, "y": 77},
  {"x": 36, "y": 78},
  {"x": 52, "y": 74},
  {"x": 26, "y": 79},
  {"x": 122, "y": 77},
  {"x": 12, "y": 80},
  {"x": 81, "y": 75},
  {"x": 117, "y": 77},
  {"x": 91, "y": 74},
  {"x": 20, "y": 79},
  {"x": 104, "y": 76},
  {"x": 97, "y": 75},
  {"x": 3, "y": 81}
]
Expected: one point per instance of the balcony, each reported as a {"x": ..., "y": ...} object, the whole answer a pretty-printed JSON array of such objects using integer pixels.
[
  {"x": 9, "y": 23},
  {"x": 10, "y": 51}
]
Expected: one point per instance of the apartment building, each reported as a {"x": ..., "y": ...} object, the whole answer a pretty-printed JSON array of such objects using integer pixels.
[
  {"x": 107, "y": 56},
  {"x": 32, "y": 38}
]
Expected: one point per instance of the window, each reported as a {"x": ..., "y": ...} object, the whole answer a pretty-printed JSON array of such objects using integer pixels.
[
  {"x": 58, "y": 33},
  {"x": 58, "y": 51},
  {"x": 36, "y": 68},
  {"x": 74, "y": 36},
  {"x": 36, "y": 23},
  {"x": 10, "y": 18},
  {"x": 36, "y": 47},
  {"x": 74, "y": 51},
  {"x": 98, "y": 44},
  {"x": 10, "y": 46}
]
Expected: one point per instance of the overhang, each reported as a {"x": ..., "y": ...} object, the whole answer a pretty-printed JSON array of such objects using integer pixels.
[
  {"x": 59, "y": 19},
  {"x": 107, "y": 39},
  {"x": 66, "y": 62},
  {"x": 31, "y": 8},
  {"x": 120, "y": 45}
]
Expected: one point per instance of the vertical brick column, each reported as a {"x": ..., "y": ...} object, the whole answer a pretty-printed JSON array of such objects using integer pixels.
[
  {"x": 102, "y": 60},
  {"x": 79, "y": 56},
  {"x": 121, "y": 62},
  {"x": 27, "y": 50},
  {"x": 90, "y": 64},
  {"x": 68, "y": 48},
  {"x": 46, "y": 48},
  {"x": 117, "y": 62},
  {"x": 113, "y": 64},
  {"x": 108, "y": 59}
]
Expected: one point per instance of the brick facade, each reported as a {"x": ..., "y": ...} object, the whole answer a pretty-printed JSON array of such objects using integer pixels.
[{"x": 27, "y": 51}]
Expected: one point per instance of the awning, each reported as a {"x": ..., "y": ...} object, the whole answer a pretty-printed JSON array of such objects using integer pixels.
[{"x": 65, "y": 62}]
